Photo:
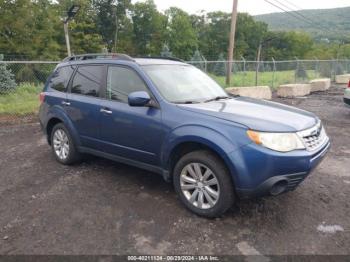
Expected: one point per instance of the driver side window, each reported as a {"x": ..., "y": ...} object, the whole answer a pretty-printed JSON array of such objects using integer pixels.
[{"x": 121, "y": 82}]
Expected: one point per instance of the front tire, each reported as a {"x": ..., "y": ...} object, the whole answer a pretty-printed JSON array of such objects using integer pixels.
[
  {"x": 204, "y": 184},
  {"x": 63, "y": 146}
]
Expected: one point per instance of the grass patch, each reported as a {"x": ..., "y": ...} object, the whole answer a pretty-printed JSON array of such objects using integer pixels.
[
  {"x": 22, "y": 101},
  {"x": 264, "y": 78}
]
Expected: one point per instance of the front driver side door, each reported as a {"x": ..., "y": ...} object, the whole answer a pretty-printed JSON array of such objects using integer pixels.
[{"x": 134, "y": 133}]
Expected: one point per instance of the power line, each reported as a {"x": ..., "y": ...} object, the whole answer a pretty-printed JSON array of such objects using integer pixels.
[
  {"x": 316, "y": 22},
  {"x": 295, "y": 13},
  {"x": 292, "y": 4},
  {"x": 286, "y": 11},
  {"x": 302, "y": 15},
  {"x": 292, "y": 10}
]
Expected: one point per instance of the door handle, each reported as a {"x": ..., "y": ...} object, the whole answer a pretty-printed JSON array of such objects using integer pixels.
[
  {"x": 65, "y": 103},
  {"x": 106, "y": 111}
]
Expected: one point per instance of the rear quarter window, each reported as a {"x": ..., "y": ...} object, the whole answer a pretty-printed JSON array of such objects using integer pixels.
[
  {"x": 60, "y": 78},
  {"x": 87, "y": 80}
]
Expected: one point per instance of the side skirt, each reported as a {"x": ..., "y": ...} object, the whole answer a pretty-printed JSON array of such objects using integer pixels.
[{"x": 127, "y": 161}]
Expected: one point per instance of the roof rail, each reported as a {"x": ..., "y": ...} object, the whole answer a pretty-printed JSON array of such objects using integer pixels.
[
  {"x": 98, "y": 56},
  {"x": 162, "y": 57}
]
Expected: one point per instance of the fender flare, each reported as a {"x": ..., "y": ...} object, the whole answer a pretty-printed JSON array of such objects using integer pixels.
[
  {"x": 58, "y": 112},
  {"x": 207, "y": 136}
]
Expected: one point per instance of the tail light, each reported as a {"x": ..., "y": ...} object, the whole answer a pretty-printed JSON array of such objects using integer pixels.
[
  {"x": 42, "y": 97},
  {"x": 349, "y": 84}
]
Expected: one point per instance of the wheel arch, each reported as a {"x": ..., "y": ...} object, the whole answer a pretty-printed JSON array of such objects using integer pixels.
[
  {"x": 49, "y": 127},
  {"x": 57, "y": 115},
  {"x": 205, "y": 139}
]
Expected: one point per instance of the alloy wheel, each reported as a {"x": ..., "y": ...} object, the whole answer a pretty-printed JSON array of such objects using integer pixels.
[
  {"x": 199, "y": 185},
  {"x": 61, "y": 144}
]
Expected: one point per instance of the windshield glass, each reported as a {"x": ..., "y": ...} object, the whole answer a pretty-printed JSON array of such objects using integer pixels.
[{"x": 184, "y": 83}]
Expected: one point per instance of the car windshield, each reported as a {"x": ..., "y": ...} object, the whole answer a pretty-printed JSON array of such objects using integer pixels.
[{"x": 184, "y": 84}]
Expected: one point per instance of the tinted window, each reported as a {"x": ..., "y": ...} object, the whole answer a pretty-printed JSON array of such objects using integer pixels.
[
  {"x": 121, "y": 82},
  {"x": 60, "y": 78},
  {"x": 87, "y": 80}
]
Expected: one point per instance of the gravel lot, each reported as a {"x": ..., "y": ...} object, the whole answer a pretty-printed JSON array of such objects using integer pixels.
[{"x": 102, "y": 207}]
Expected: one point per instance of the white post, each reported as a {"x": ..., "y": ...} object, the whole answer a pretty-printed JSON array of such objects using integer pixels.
[{"x": 65, "y": 25}]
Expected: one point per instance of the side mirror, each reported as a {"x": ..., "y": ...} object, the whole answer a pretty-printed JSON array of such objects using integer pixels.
[{"x": 140, "y": 98}]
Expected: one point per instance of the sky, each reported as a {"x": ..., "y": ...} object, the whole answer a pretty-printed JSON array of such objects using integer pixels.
[{"x": 252, "y": 7}]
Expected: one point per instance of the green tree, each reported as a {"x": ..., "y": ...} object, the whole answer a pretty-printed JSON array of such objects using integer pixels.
[
  {"x": 249, "y": 34},
  {"x": 45, "y": 31},
  {"x": 114, "y": 25},
  {"x": 16, "y": 28},
  {"x": 288, "y": 45},
  {"x": 214, "y": 29},
  {"x": 149, "y": 27},
  {"x": 84, "y": 36},
  {"x": 215, "y": 35},
  {"x": 181, "y": 36},
  {"x": 34, "y": 30}
]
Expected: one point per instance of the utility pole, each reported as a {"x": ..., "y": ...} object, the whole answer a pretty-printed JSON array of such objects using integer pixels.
[
  {"x": 232, "y": 42},
  {"x": 116, "y": 30},
  {"x": 66, "y": 35},
  {"x": 70, "y": 15}
]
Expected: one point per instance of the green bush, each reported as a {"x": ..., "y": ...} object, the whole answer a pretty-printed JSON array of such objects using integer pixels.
[{"x": 7, "y": 82}]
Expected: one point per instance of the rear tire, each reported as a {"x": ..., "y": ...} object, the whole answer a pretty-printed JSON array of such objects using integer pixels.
[
  {"x": 63, "y": 146},
  {"x": 204, "y": 184}
]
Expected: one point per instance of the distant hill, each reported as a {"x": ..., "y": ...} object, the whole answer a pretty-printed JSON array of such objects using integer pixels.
[{"x": 336, "y": 20}]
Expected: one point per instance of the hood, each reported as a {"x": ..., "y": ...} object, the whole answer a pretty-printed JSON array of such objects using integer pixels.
[{"x": 256, "y": 114}]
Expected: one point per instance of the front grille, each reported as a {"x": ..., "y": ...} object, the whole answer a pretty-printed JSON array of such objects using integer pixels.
[
  {"x": 314, "y": 141},
  {"x": 314, "y": 137}
]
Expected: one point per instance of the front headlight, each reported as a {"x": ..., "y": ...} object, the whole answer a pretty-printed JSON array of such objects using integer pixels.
[{"x": 282, "y": 142}]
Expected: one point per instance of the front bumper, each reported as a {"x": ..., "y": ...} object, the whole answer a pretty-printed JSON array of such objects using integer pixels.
[{"x": 264, "y": 172}]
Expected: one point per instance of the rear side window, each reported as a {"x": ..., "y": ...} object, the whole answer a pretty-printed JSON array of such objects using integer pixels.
[
  {"x": 60, "y": 78},
  {"x": 87, "y": 80},
  {"x": 121, "y": 82}
]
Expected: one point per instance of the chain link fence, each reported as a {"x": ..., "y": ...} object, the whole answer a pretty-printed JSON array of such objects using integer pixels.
[
  {"x": 273, "y": 73},
  {"x": 20, "y": 85},
  {"x": 22, "y": 81}
]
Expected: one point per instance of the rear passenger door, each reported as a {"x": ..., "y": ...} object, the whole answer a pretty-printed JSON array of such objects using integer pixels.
[
  {"x": 83, "y": 103},
  {"x": 130, "y": 132}
]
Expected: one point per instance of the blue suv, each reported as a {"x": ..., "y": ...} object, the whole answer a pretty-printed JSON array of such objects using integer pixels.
[{"x": 170, "y": 118}]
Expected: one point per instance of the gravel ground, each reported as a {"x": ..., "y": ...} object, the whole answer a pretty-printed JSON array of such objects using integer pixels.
[{"x": 102, "y": 207}]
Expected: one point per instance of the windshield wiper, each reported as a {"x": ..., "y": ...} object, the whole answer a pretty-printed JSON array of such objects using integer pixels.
[
  {"x": 187, "y": 102},
  {"x": 217, "y": 98}
]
